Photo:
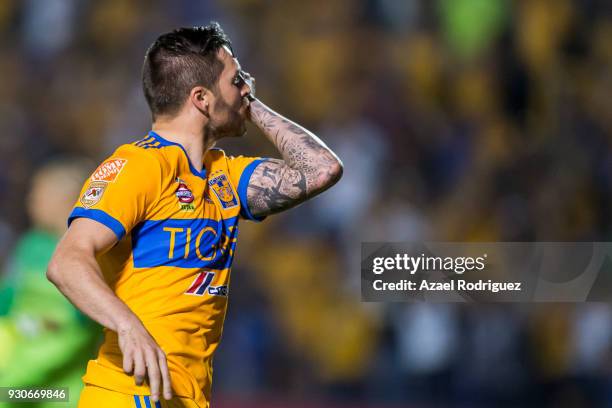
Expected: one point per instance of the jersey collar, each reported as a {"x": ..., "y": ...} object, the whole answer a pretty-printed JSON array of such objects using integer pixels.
[{"x": 164, "y": 142}]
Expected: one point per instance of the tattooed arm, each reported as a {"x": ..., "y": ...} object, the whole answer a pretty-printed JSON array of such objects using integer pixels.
[{"x": 308, "y": 166}]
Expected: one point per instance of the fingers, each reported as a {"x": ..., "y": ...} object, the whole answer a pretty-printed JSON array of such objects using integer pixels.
[
  {"x": 139, "y": 368},
  {"x": 143, "y": 358},
  {"x": 165, "y": 373},
  {"x": 153, "y": 373},
  {"x": 250, "y": 81},
  {"x": 152, "y": 365},
  {"x": 128, "y": 363}
]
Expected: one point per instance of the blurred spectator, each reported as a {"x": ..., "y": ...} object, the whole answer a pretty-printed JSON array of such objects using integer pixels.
[{"x": 45, "y": 339}]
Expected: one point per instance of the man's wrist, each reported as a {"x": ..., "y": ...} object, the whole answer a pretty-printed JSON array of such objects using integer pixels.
[
  {"x": 126, "y": 322},
  {"x": 257, "y": 109}
]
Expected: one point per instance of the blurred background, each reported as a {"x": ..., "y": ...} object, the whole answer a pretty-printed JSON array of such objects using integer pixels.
[{"x": 457, "y": 120}]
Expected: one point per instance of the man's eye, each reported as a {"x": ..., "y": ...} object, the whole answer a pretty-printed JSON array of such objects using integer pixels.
[{"x": 237, "y": 80}]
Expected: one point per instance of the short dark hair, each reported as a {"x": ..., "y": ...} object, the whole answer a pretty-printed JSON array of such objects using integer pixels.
[{"x": 179, "y": 60}]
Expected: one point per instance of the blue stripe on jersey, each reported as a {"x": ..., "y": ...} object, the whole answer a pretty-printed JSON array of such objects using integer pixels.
[
  {"x": 100, "y": 216},
  {"x": 154, "y": 144},
  {"x": 137, "y": 401},
  {"x": 144, "y": 141},
  {"x": 148, "y": 143},
  {"x": 147, "y": 401},
  {"x": 243, "y": 185},
  {"x": 157, "y": 404},
  {"x": 185, "y": 243}
]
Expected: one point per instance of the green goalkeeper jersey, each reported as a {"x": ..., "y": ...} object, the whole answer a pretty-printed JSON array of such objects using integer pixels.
[{"x": 44, "y": 340}]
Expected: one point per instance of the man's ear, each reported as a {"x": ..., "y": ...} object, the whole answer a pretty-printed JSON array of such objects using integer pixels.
[{"x": 200, "y": 97}]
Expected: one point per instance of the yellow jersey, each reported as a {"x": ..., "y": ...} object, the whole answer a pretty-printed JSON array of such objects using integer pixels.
[{"x": 177, "y": 229}]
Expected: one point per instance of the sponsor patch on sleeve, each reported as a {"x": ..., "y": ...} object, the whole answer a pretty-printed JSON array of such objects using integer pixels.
[
  {"x": 109, "y": 170},
  {"x": 93, "y": 194}
]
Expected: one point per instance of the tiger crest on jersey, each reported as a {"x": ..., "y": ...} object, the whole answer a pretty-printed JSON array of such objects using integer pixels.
[{"x": 223, "y": 190}]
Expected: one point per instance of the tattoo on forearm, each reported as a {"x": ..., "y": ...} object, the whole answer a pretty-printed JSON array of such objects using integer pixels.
[
  {"x": 308, "y": 166},
  {"x": 274, "y": 187}
]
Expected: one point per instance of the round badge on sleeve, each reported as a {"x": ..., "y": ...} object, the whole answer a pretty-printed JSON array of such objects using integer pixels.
[{"x": 93, "y": 194}]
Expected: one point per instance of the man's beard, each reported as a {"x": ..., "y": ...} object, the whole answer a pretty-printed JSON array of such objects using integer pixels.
[{"x": 233, "y": 126}]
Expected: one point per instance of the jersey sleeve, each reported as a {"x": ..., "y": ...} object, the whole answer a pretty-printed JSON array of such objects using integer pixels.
[
  {"x": 240, "y": 171},
  {"x": 120, "y": 191}
]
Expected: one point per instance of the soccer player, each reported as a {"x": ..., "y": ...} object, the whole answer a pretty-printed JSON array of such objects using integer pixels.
[{"x": 151, "y": 239}]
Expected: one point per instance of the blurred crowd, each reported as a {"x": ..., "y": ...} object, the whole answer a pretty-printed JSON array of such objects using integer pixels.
[{"x": 456, "y": 120}]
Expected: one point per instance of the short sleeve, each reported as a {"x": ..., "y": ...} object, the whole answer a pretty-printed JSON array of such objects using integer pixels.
[
  {"x": 120, "y": 191},
  {"x": 241, "y": 169}
]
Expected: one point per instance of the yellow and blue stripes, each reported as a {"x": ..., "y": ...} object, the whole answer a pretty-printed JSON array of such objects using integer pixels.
[
  {"x": 100, "y": 216},
  {"x": 146, "y": 401},
  {"x": 148, "y": 143}
]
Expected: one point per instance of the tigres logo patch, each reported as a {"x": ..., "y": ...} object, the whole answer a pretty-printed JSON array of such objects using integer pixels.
[{"x": 224, "y": 191}]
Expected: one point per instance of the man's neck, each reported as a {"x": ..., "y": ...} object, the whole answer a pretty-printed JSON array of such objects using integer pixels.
[{"x": 192, "y": 138}]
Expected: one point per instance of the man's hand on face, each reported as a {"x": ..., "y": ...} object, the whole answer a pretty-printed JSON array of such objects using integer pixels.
[
  {"x": 244, "y": 77},
  {"x": 144, "y": 358},
  {"x": 250, "y": 81}
]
